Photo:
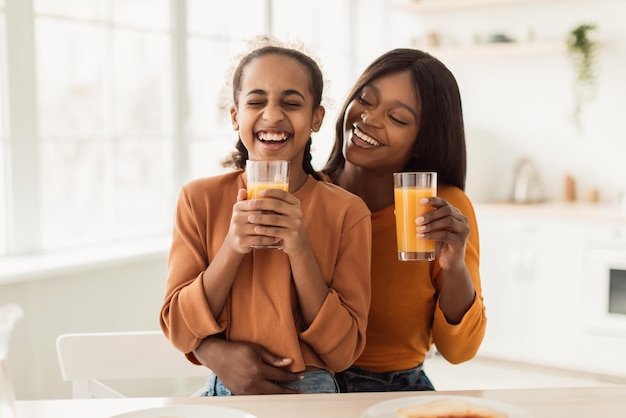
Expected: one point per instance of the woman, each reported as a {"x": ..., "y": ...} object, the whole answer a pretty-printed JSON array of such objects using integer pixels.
[{"x": 403, "y": 114}]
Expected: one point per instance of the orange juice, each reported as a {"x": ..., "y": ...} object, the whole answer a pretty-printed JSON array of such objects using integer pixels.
[
  {"x": 408, "y": 209},
  {"x": 255, "y": 188}
]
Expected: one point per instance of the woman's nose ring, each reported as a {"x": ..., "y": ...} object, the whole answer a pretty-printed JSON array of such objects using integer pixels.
[{"x": 364, "y": 117}]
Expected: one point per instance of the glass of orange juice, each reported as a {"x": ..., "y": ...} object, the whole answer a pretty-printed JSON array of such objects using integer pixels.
[
  {"x": 267, "y": 174},
  {"x": 409, "y": 188}
]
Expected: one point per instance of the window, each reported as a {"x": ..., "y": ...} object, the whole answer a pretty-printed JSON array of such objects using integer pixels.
[
  {"x": 4, "y": 159},
  {"x": 213, "y": 41},
  {"x": 105, "y": 138},
  {"x": 113, "y": 104}
]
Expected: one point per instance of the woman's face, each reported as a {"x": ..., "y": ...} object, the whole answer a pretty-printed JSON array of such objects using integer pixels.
[
  {"x": 382, "y": 123},
  {"x": 276, "y": 113}
]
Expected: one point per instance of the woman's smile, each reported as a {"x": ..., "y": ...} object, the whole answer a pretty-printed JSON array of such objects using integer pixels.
[{"x": 361, "y": 139}]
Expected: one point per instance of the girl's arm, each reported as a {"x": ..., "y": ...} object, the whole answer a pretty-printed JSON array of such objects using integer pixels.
[
  {"x": 196, "y": 290},
  {"x": 334, "y": 308},
  {"x": 283, "y": 219}
]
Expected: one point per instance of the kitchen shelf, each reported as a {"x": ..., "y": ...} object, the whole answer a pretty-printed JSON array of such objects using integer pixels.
[
  {"x": 420, "y": 6},
  {"x": 500, "y": 49}
]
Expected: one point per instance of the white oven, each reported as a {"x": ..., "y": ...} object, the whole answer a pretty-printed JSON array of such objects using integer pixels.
[{"x": 605, "y": 290}]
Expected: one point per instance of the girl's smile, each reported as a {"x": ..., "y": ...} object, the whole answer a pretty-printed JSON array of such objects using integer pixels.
[{"x": 272, "y": 140}]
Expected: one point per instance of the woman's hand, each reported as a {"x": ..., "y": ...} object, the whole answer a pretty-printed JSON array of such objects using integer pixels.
[
  {"x": 245, "y": 368},
  {"x": 449, "y": 228}
]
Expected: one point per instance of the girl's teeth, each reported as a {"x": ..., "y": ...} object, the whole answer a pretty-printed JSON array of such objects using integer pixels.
[{"x": 272, "y": 137}]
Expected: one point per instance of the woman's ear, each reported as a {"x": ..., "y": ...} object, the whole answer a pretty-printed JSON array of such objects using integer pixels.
[
  {"x": 233, "y": 118},
  {"x": 318, "y": 118}
]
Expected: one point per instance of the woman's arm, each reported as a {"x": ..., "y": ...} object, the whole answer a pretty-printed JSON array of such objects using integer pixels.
[
  {"x": 245, "y": 368},
  {"x": 450, "y": 228},
  {"x": 459, "y": 318}
]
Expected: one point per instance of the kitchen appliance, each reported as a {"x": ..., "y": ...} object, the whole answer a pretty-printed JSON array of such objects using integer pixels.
[
  {"x": 527, "y": 186},
  {"x": 606, "y": 294}
]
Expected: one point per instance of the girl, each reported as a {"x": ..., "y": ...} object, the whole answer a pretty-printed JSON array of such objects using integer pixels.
[
  {"x": 307, "y": 302},
  {"x": 403, "y": 114}
]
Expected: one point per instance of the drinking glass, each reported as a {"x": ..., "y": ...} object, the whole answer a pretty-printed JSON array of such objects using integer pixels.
[
  {"x": 267, "y": 174},
  {"x": 409, "y": 188}
]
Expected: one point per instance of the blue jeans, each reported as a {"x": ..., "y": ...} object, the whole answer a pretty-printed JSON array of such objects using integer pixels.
[
  {"x": 319, "y": 381},
  {"x": 357, "y": 379}
]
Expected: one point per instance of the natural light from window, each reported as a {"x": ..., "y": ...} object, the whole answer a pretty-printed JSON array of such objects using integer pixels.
[
  {"x": 3, "y": 144},
  {"x": 125, "y": 107},
  {"x": 103, "y": 97}
]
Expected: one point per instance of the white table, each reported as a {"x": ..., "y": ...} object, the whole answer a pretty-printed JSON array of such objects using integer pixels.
[{"x": 592, "y": 402}]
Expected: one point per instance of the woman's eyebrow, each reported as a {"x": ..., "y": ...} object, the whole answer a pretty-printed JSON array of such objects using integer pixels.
[
  {"x": 407, "y": 107},
  {"x": 396, "y": 102}
]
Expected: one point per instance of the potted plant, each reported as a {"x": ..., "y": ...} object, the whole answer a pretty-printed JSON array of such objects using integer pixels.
[{"x": 582, "y": 51}]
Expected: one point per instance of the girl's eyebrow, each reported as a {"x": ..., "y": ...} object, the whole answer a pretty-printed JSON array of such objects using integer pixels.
[
  {"x": 291, "y": 92},
  {"x": 284, "y": 93}
]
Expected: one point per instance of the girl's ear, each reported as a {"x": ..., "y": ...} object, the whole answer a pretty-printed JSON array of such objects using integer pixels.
[
  {"x": 233, "y": 118},
  {"x": 318, "y": 118}
]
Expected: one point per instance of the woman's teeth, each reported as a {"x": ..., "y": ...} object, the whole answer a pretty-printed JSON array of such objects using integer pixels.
[{"x": 366, "y": 138}]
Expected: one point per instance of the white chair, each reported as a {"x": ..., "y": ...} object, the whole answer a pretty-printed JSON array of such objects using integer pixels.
[{"x": 87, "y": 358}]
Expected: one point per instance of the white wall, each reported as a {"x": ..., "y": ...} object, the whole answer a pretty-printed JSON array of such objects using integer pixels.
[
  {"x": 520, "y": 105},
  {"x": 121, "y": 297}
]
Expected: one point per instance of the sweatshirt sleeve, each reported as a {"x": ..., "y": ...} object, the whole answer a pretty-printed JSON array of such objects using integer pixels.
[
  {"x": 337, "y": 333},
  {"x": 186, "y": 317},
  {"x": 460, "y": 342}
]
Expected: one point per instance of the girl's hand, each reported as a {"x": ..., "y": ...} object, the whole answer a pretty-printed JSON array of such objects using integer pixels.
[
  {"x": 449, "y": 228},
  {"x": 241, "y": 234},
  {"x": 279, "y": 217}
]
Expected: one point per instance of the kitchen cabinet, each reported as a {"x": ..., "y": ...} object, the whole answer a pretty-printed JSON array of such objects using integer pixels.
[
  {"x": 542, "y": 288},
  {"x": 531, "y": 273}
]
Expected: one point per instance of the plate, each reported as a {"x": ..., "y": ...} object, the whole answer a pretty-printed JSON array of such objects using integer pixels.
[
  {"x": 187, "y": 411},
  {"x": 387, "y": 409}
]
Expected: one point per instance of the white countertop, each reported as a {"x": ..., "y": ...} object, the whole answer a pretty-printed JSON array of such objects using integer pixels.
[
  {"x": 606, "y": 402},
  {"x": 555, "y": 210}
]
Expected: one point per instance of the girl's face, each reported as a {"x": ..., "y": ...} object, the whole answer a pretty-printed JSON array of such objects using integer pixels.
[
  {"x": 275, "y": 114},
  {"x": 382, "y": 123}
]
